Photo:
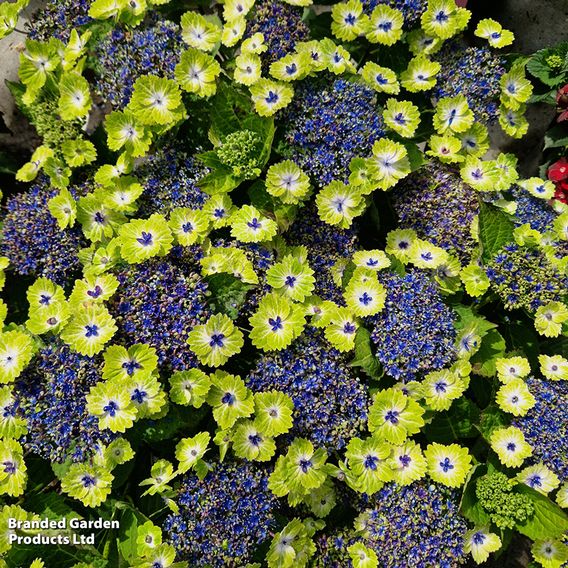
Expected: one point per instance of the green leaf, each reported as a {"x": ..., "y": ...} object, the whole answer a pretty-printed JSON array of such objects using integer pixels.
[
  {"x": 468, "y": 316},
  {"x": 415, "y": 155},
  {"x": 538, "y": 67},
  {"x": 492, "y": 347},
  {"x": 556, "y": 137},
  {"x": 264, "y": 127},
  {"x": 224, "y": 118},
  {"x": 548, "y": 521},
  {"x": 128, "y": 534},
  {"x": 491, "y": 419},
  {"x": 456, "y": 423},
  {"x": 495, "y": 230},
  {"x": 228, "y": 294},
  {"x": 364, "y": 356},
  {"x": 178, "y": 419},
  {"x": 470, "y": 507}
]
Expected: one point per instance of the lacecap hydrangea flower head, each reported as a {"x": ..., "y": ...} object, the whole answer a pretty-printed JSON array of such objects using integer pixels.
[{"x": 268, "y": 299}]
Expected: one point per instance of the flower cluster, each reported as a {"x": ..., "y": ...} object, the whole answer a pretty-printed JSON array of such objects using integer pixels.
[
  {"x": 415, "y": 333},
  {"x": 170, "y": 179},
  {"x": 440, "y": 207},
  {"x": 124, "y": 55},
  {"x": 544, "y": 425},
  {"x": 50, "y": 396},
  {"x": 159, "y": 304},
  {"x": 202, "y": 531},
  {"x": 32, "y": 240},
  {"x": 330, "y": 402},
  {"x": 267, "y": 283},
  {"x": 330, "y": 122},
  {"x": 525, "y": 278},
  {"x": 474, "y": 72},
  {"x": 281, "y": 27},
  {"x": 57, "y": 18}
]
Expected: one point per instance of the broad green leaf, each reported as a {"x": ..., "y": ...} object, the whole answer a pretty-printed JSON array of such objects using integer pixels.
[
  {"x": 470, "y": 507},
  {"x": 364, "y": 356},
  {"x": 492, "y": 347},
  {"x": 548, "y": 521},
  {"x": 495, "y": 230},
  {"x": 456, "y": 423},
  {"x": 228, "y": 294}
]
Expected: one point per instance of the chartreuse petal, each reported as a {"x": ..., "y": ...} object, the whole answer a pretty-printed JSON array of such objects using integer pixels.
[
  {"x": 13, "y": 471},
  {"x": 448, "y": 465},
  {"x": 443, "y": 19},
  {"x": 249, "y": 225},
  {"x": 190, "y": 450},
  {"x": 89, "y": 329},
  {"x": 270, "y": 96},
  {"x": 420, "y": 75},
  {"x": 110, "y": 402},
  {"x": 348, "y": 20},
  {"x": 215, "y": 341},
  {"x": 250, "y": 443},
  {"x": 189, "y": 387},
  {"x": 389, "y": 162},
  {"x": 126, "y": 131},
  {"x": 554, "y": 367},
  {"x": 342, "y": 328},
  {"x": 64, "y": 208},
  {"x": 291, "y": 277},
  {"x": 248, "y": 68},
  {"x": 229, "y": 398},
  {"x": 136, "y": 362},
  {"x": 51, "y": 318},
  {"x": 89, "y": 484},
  {"x": 338, "y": 204},
  {"x": 368, "y": 461},
  {"x": 549, "y": 319},
  {"x": 156, "y": 101},
  {"x": 384, "y": 25},
  {"x": 362, "y": 556},
  {"x": 480, "y": 542},
  {"x": 189, "y": 226},
  {"x": 381, "y": 79},
  {"x": 142, "y": 239},
  {"x": 401, "y": 116},
  {"x": 288, "y": 182},
  {"x": 198, "y": 32},
  {"x": 511, "y": 368},
  {"x": 407, "y": 463},
  {"x": 364, "y": 294},
  {"x": 273, "y": 413},
  {"x": 11, "y": 425},
  {"x": 16, "y": 351},
  {"x": 74, "y": 96},
  {"x": 515, "y": 397},
  {"x": 276, "y": 323},
  {"x": 197, "y": 73},
  {"x": 510, "y": 446},
  {"x": 550, "y": 553},
  {"x": 44, "y": 293},
  {"x": 393, "y": 416},
  {"x": 93, "y": 290}
]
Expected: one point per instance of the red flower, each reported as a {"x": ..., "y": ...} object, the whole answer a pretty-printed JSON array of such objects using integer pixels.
[
  {"x": 558, "y": 171},
  {"x": 562, "y": 103}
]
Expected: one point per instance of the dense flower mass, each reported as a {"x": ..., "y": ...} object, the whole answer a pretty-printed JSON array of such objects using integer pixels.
[
  {"x": 57, "y": 18},
  {"x": 544, "y": 425},
  {"x": 273, "y": 297},
  {"x": 525, "y": 278},
  {"x": 124, "y": 55},
  {"x": 328, "y": 251},
  {"x": 415, "y": 332},
  {"x": 329, "y": 122},
  {"x": 440, "y": 207},
  {"x": 50, "y": 396},
  {"x": 170, "y": 179},
  {"x": 32, "y": 240},
  {"x": 330, "y": 402},
  {"x": 159, "y": 304},
  {"x": 474, "y": 72},
  {"x": 281, "y": 26},
  {"x": 203, "y": 532}
]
